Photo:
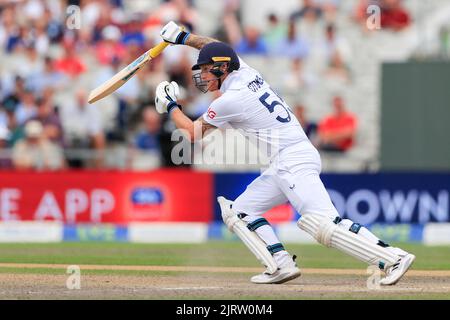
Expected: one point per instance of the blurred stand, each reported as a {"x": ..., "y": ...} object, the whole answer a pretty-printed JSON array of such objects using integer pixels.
[{"x": 308, "y": 50}]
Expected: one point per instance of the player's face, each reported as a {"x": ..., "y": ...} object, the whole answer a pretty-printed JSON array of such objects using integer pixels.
[
  {"x": 213, "y": 83},
  {"x": 204, "y": 80}
]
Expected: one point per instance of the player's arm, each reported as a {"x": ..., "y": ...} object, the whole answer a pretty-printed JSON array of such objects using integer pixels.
[
  {"x": 166, "y": 102},
  {"x": 175, "y": 34},
  {"x": 194, "y": 129},
  {"x": 198, "y": 42}
]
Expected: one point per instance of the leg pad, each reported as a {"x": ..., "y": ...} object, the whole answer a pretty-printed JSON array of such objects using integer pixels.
[{"x": 250, "y": 238}]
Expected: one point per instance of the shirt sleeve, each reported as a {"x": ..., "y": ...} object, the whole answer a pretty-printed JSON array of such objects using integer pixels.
[{"x": 224, "y": 110}]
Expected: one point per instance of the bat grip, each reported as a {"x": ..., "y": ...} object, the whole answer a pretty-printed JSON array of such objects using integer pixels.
[{"x": 156, "y": 50}]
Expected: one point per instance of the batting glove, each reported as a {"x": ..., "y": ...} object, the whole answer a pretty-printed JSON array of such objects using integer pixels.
[
  {"x": 166, "y": 96},
  {"x": 174, "y": 34}
]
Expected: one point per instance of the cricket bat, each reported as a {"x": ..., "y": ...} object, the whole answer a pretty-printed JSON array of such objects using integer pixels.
[{"x": 120, "y": 78}]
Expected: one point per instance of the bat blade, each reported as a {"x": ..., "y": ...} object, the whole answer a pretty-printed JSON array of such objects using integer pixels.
[{"x": 120, "y": 78}]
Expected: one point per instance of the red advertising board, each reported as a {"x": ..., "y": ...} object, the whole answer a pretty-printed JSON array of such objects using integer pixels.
[{"x": 114, "y": 197}]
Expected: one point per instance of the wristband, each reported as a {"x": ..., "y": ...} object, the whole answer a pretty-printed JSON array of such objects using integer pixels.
[
  {"x": 181, "y": 39},
  {"x": 172, "y": 105}
]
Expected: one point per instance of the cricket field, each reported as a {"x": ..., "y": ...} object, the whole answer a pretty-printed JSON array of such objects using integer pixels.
[{"x": 213, "y": 270}]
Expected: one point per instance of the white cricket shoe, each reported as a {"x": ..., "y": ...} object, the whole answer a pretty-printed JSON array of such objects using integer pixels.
[
  {"x": 397, "y": 270},
  {"x": 286, "y": 271}
]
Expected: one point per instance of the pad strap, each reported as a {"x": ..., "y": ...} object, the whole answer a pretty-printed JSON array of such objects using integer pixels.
[
  {"x": 277, "y": 247},
  {"x": 252, "y": 226}
]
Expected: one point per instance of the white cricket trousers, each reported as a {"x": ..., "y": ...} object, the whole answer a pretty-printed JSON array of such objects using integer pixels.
[{"x": 303, "y": 189}]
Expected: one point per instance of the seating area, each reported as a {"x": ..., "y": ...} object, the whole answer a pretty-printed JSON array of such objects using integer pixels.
[{"x": 363, "y": 54}]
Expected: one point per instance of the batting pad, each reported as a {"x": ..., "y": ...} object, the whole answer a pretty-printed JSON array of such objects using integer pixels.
[
  {"x": 250, "y": 238},
  {"x": 338, "y": 236}
]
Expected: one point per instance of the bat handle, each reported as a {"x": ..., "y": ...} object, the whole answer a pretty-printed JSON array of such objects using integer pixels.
[{"x": 156, "y": 50}]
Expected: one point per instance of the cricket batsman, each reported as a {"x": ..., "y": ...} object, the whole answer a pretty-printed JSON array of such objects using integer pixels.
[{"x": 248, "y": 103}]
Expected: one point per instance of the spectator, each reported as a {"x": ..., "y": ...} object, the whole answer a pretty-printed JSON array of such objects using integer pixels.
[
  {"x": 292, "y": 46},
  {"x": 86, "y": 132},
  {"x": 147, "y": 137},
  {"x": 177, "y": 64},
  {"x": 337, "y": 68},
  {"x": 49, "y": 120},
  {"x": 176, "y": 10},
  {"x": 14, "y": 95},
  {"x": 33, "y": 9},
  {"x": 8, "y": 120},
  {"x": 91, "y": 12},
  {"x": 275, "y": 32},
  {"x": 15, "y": 39},
  {"x": 338, "y": 52},
  {"x": 5, "y": 161},
  {"x": 31, "y": 63},
  {"x": 297, "y": 78},
  {"x": 337, "y": 131},
  {"x": 110, "y": 48},
  {"x": 49, "y": 77},
  {"x": 335, "y": 43},
  {"x": 70, "y": 64},
  {"x": 36, "y": 152},
  {"x": 393, "y": 15},
  {"x": 309, "y": 127},
  {"x": 251, "y": 43},
  {"x": 329, "y": 8},
  {"x": 309, "y": 11},
  {"x": 3, "y": 116},
  {"x": 42, "y": 41},
  {"x": 26, "y": 109},
  {"x": 133, "y": 33},
  {"x": 54, "y": 27},
  {"x": 146, "y": 142},
  {"x": 7, "y": 26},
  {"x": 104, "y": 19}
]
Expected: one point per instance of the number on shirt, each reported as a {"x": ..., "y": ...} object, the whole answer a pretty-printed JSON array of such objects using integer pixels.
[{"x": 271, "y": 106}]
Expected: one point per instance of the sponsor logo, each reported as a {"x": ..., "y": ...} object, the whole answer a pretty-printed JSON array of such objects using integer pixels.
[
  {"x": 103, "y": 232},
  {"x": 136, "y": 62},
  {"x": 211, "y": 113},
  {"x": 131, "y": 74},
  {"x": 146, "y": 196},
  {"x": 393, "y": 206}
]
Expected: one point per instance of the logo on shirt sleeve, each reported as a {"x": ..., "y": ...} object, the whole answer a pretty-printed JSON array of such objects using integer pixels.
[{"x": 211, "y": 113}]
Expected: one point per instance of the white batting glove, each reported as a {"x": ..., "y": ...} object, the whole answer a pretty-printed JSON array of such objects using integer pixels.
[
  {"x": 173, "y": 33},
  {"x": 166, "y": 96}
]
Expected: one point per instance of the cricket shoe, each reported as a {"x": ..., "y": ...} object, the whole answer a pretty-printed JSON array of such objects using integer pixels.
[
  {"x": 397, "y": 270},
  {"x": 286, "y": 271}
]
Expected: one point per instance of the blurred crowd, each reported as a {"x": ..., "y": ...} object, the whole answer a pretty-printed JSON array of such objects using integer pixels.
[{"x": 49, "y": 65}]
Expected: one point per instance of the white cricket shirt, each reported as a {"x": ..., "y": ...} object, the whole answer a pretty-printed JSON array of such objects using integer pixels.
[{"x": 250, "y": 105}]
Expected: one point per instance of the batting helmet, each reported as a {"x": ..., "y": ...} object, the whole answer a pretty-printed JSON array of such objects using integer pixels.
[{"x": 217, "y": 52}]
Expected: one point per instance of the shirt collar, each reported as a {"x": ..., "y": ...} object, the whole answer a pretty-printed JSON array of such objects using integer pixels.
[{"x": 228, "y": 82}]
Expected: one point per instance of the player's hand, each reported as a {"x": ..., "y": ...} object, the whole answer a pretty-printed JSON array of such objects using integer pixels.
[
  {"x": 166, "y": 96},
  {"x": 173, "y": 33}
]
